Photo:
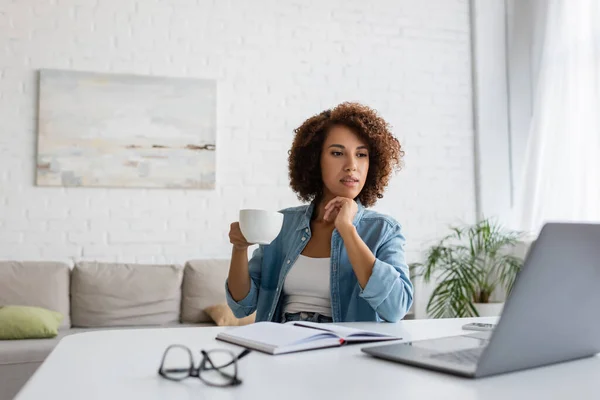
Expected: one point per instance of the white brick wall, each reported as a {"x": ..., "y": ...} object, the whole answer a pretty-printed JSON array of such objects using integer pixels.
[{"x": 276, "y": 63}]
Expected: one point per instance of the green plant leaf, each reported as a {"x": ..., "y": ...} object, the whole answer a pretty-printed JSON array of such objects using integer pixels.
[{"x": 470, "y": 263}]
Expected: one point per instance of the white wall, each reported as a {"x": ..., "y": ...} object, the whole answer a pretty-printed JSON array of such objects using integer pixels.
[{"x": 276, "y": 63}]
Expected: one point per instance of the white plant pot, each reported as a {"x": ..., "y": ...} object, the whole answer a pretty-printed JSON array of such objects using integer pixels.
[{"x": 489, "y": 309}]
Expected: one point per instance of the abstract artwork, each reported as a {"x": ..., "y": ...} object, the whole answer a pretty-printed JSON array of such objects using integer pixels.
[{"x": 111, "y": 130}]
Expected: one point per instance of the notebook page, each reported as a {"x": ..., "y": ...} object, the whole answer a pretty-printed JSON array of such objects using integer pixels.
[{"x": 346, "y": 332}]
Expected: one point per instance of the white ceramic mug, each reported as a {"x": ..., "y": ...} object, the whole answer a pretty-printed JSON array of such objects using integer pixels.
[{"x": 260, "y": 226}]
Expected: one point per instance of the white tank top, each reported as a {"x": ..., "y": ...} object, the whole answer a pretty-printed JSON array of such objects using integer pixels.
[{"x": 307, "y": 288}]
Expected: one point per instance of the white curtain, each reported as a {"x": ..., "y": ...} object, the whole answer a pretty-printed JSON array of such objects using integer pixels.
[{"x": 561, "y": 176}]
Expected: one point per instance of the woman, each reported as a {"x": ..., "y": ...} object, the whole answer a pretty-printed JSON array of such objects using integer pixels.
[{"x": 333, "y": 261}]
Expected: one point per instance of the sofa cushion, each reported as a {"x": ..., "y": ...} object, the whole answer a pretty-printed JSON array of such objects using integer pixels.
[
  {"x": 39, "y": 284},
  {"x": 36, "y": 350},
  {"x": 29, "y": 350},
  {"x": 13, "y": 377},
  {"x": 203, "y": 286},
  {"x": 111, "y": 294}
]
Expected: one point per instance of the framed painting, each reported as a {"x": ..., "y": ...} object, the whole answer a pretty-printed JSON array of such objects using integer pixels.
[{"x": 114, "y": 130}]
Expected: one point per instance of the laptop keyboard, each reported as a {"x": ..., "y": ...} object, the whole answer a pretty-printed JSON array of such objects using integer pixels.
[{"x": 463, "y": 357}]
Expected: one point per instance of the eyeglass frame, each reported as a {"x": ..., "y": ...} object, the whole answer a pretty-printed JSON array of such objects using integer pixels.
[{"x": 195, "y": 372}]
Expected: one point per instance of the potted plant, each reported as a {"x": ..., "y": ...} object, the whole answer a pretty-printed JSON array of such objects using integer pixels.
[{"x": 470, "y": 264}]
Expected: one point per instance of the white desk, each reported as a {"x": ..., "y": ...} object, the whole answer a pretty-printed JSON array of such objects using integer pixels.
[{"x": 123, "y": 364}]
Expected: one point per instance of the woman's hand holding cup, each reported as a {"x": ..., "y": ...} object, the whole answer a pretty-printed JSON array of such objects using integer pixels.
[{"x": 236, "y": 237}]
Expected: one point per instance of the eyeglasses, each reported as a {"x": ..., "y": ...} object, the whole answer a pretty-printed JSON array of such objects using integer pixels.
[{"x": 217, "y": 368}]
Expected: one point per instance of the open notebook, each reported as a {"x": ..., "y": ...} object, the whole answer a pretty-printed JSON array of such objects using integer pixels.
[{"x": 275, "y": 338}]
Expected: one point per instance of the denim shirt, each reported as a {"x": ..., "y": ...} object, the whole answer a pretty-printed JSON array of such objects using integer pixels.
[{"x": 387, "y": 296}]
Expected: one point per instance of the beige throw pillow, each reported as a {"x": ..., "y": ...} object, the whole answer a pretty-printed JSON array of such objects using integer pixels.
[{"x": 222, "y": 315}]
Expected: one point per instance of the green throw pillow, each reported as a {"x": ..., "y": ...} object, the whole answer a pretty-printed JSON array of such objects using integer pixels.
[{"x": 24, "y": 322}]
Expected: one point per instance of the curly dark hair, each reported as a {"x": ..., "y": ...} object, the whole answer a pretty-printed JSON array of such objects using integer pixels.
[{"x": 304, "y": 161}]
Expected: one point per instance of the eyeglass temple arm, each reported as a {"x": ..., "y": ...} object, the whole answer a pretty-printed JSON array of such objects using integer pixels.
[
  {"x": 235, "y": 359},
  {"x": 243, "y": 354}
]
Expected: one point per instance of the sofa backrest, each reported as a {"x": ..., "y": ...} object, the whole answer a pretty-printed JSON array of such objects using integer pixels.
[
  {"x": 36, "y": 283},
  {"x": 114, "y": 294},
  {"x": 95, "y": 294},
  {"x": 203, "y": 286}
]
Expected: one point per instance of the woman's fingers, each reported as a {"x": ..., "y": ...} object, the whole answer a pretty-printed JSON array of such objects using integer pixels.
[
  {"x": 332, "y": 205},
  {"x": 331, "y": 213},
  {"x": 236, "y": 237},
  {"x": 333, "y": 201}
]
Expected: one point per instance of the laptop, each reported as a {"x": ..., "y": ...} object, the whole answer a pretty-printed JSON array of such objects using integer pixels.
[{"x": 551, "y": 315}]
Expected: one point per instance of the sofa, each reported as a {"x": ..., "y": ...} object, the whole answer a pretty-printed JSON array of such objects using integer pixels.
[{"x": 95, "y": 296}]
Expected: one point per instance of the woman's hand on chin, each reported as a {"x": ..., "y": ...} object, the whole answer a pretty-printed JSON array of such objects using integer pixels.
[{"x": 341, "y": 210}]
